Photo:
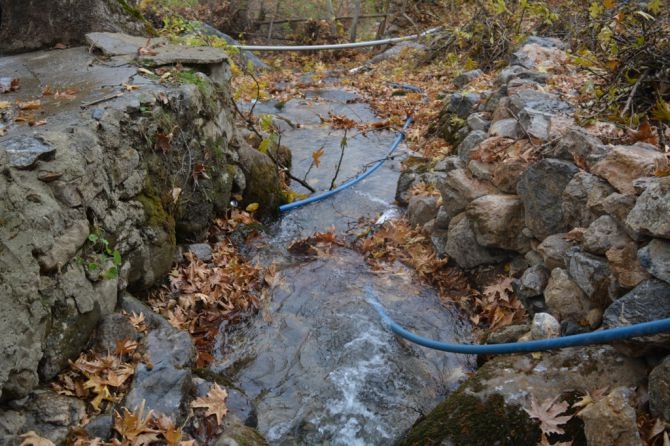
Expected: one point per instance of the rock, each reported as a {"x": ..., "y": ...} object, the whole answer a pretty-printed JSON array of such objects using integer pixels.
[
  {"x": 202, "y": 251},
  {"x": 113, "y": 329},
  {"x": 507, "y": 334},
  {"x": 462, "y": 246},
  {"x": 451, "y": 121},
  {"x": 618, "y": 206},
  {"x": 611, "y": 421},
  {"x": 623, "y": 164},
  {"x": 25, "y": 151},
  {"x": 592, "y": 274},
  {"x": 506, "y": 128},
  {"x": 577, "y": 144},
  {"x": 537, "y": 56},
  {"x": 544, "y": 326},
  {"x": 659, "y": 390},
  {"x": 26, "y": 27},
  {"x": 459, "y": 188},
  {"x": 564, "y": 298},
  {"x": 537, "y": 101},
  {"x": 553, "y": 249},
  {"x": 421, "y": 210},
  {"x": 535, "y": 124},
  {"x": 506, "y": 174},
  {"x": 497, "y": 221},
  {"x": 655, "y": 258},
  {"x": 262, "y": 182},
  {"x": 65, "y": 246},
  {"x": 582, "y": 199},
  {"x": 45, "y": 412},
  {"x": 478, "y": 121},
  {"x": 625, "y": 265},
  {"x": 464, "y": 79},
  {"x": 650, "y": 214},
  {"x": 541, "y": 187},
  {"x": 648, "y": 301},
  {"x": 449, "y": 163},
  {"x": 530, "y": 286},
  {"x": 489, "y": 406},
  {"x": 164, "y": 385},
  {"x": 236, "y": 433},
  {"x": 469, "y": 143},
  {"x": 604, "y": 234},
  {"x": 480, "y": 170}
]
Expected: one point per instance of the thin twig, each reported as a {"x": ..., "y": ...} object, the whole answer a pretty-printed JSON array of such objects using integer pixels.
[
  {"x": 343, "y": 145},
  {"x": 632, "y": 94},
  {"x": 85, "y": 105}
]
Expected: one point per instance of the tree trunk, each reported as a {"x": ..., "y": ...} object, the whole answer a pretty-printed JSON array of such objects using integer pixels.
[
  {"x": 354, "y": 20},
  {"x": 27, "y": 25}
]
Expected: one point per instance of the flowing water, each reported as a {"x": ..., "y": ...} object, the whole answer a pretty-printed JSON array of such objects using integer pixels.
[{"x": 318, "y": 366}]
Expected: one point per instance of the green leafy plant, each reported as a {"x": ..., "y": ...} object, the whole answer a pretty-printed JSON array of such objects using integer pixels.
[{"x": 99, "y": 253}]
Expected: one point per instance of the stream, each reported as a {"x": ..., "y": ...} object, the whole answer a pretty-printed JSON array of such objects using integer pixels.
[{"x": 317, "y": 364}]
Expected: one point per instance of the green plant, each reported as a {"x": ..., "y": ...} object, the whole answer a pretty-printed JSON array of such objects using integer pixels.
[{"x": 98, "y": 254}]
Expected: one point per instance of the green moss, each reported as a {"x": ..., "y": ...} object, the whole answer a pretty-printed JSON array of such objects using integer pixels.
[
  {"x": 466, "y": 420},
  {"x": 156, "y": 215},
  {"x": 136, "y": 14}
]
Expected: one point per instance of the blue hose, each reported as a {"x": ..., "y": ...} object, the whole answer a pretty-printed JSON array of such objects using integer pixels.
[
  {"x": 323, "y": 195},
  {"x": 595, "y": 337}
]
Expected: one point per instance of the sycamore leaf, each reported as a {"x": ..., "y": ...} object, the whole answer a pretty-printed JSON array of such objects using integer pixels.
[
  {"x": 32, "y": 439},
  {"x": 549, "y": 415},
  {"x": 214, "y": 403},
  {"x": 501, "y": 289},
  {"x": 138, "y": 321}
]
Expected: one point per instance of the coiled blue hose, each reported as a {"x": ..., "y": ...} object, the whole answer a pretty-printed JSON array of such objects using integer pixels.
[
  {"x": 323, "y": 195},
  {"x": 595, "y": 337}
]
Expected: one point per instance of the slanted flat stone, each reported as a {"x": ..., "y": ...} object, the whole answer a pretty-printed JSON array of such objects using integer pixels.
[
  {"x": 24, "y": 151},
  {"x": 187, "y": 55},
  {"x": 119, "y": 44}
]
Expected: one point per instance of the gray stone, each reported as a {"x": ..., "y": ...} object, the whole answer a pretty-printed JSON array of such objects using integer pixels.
[
  {"x": 465, "y": 78},
  {"x": 592, "y": 274},
  {"x": 478, "y": 121},
  {"x": 604, "y": 234},
  {"x": 582, "y": 199},
  {"x": 655, "y": 258},
  {"x": 119, "y": 44},
  {"x": 24, "y": 151},
  {"x": 623, "y": 164},
  {"x": 462, "y": 246},
  {"x": 202, "y": 251},
  {"x": 659, "y": 390},
  {"x": 114, "y": 328},
  {"x": 65, "y": 246},
  {"x": 564, "y": 298},
  {"x": 611, "y": 421},
  {"x": 535, "y": 124},
  {"x": 537, "y": 56},
  {"x": 532, "y": 283},
  {"x": 578, "y": 146},
  {"x": 651, "y": 211},
  {"x": 537, "y": 101},
  {"x": 553, "y": 249},
  {"x": 164, "y": 386},
  {"x": 541, "y": 188},
  {"x": 421, "y": 210},
  {"x": 507, "y": 334},
  {"x": 506, "y": 128},
  {"x": 469, "y": 143},
  {"x": 497, "y": 221},
  {"x": 480, "y": 170},
  {"x": 618, "y": 206},
  {"x": 544, "y": 326},
  {"x": 463, "y": 104},
  {"x": 459, "y": 188},
  {"x": 648, "y": 301},
  {"x": 236, "y": 433}
]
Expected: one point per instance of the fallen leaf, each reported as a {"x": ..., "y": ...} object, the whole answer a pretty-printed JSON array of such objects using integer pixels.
[
  {"x": 130, "y": 87},
  {"x": 549, "y": 415},
  {"x": 60, "y": 46},
  {"x": 5, "y": 105},
  {"x": 252, "y": 207},
  {"x": 316, "y": 156},
  {"x": 32, "y": 439},
  {"x": 214, "y": 403},
  {"x": 37, "y": 123},
  {"x": 29, "y": 105},
  {"x": 175, "y": 193}
]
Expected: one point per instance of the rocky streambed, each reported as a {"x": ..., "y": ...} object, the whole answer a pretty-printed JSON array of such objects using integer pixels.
[{"x": 581, "y": 224}]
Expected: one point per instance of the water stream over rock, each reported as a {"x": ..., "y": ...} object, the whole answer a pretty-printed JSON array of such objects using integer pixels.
[{"x": 318, "y": 365}]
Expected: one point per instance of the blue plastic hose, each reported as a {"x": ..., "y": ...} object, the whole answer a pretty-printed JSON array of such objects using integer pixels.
[
  {"x": 323, "y": 195},
  {"x": 595, "y": 337}
]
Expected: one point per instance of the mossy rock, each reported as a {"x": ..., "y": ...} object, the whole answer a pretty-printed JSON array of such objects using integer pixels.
[
  {"x": 262, "y": 182},
  {"x": 466, "y": 420}
]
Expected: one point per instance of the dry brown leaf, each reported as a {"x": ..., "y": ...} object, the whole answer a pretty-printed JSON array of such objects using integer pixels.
[
  {"x": 29, "y": 105},
  {"x": 214, "y": 403},
  {"x": 549, "y": 415},
  {"x": 33, "y": 439}
]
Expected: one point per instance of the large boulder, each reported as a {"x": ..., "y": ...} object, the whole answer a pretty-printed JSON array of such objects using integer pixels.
[{"x": 27, "y": 25}]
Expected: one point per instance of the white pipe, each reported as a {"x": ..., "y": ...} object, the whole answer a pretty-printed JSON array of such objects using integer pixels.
[{"x": 334, "y": 46}]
